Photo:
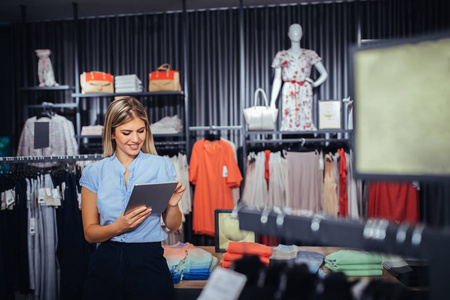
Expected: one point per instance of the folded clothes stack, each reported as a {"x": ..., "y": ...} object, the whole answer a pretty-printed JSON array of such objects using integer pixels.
[
  {"x": 355, "y": 263},
  {"x": 284, "y": 252},
  {"x": 199, "y": 264},
  {"x": 127, "y": 84},
  {"x": 185, "y": 261},
  {"x": 237, "y": 250},
  {"x": 167, "y": 125},
  {"x": 92, "y": 130},
  {"x": 176, "y": 256}
]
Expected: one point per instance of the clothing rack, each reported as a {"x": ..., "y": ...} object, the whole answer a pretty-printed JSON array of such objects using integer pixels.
[
  {"x": 373, "y": 235},
  {"x": 300, "y": 140},
  {"x": 46, "y": 105},
  {"x": 318, "y": 131},
  {"x": 59, "y": 158}
]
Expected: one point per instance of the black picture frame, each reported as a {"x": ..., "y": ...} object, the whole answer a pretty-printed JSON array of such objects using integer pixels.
[{"x": 227, "y": 229}]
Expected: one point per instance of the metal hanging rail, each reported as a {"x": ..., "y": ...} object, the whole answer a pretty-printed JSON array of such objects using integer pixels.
[
  {"x": 300, "y": 140},
  {"x": 170, "y": 143},
  {"x": 213, "y": 127},
  {"x": 52, "y": 105},
  {"x": 59, "y": 158},
  {"x": 319, "y": 131},
  {"x": 373, "y": 235}
]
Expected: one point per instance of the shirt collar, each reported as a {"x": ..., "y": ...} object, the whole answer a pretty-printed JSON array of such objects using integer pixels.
[{"x": 120, "y": 167}]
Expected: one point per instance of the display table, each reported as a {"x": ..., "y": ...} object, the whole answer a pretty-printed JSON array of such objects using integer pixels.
[{"x": 199, "y": 284}]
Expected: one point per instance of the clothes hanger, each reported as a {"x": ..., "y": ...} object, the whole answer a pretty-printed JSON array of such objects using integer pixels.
[
  {"x": 212, "y": 135},
  {"x": 47, "y": 110}
]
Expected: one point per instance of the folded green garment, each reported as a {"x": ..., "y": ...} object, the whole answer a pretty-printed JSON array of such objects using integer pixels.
[
  {"x": 363, "y": 272},
  {"x": 353, "y": 267},
  {"x": 351, "y": 257}
]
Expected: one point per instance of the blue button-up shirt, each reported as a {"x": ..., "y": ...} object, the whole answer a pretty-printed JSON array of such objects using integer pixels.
[{"x": 106, "y": 178}]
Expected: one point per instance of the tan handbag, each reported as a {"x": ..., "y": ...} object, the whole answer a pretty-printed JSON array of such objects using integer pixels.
[
  {"x": 164, "y": 79},
  {"x": 96, "y": 82}
]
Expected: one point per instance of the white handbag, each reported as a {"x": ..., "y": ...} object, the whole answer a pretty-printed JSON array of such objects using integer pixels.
[{"x": 260, "y": 117}]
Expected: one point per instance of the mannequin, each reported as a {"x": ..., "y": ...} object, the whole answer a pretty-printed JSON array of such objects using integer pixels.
[
  {"x": 293, "y": 66},
  {"x": 45, "y": 68}
]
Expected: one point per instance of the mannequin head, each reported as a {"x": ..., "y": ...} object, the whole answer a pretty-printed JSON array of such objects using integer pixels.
[{"x": 295, "y": 32}]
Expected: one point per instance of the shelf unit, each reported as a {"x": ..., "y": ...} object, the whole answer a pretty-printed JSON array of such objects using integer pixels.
[
  {"x": 77, "y": 96},
  {"x": 47, "y": 88},
  {"x": 92, "y": 95}
]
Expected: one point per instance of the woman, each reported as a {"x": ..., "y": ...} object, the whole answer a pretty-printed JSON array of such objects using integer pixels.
[{"x": 129, "y": 263}]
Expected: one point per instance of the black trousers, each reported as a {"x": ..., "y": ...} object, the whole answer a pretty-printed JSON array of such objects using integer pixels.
[{"x": 128, "y": 271}]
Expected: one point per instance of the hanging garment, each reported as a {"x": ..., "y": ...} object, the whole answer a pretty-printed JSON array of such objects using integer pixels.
[
  {"x": 330, "y": 201},
  {"x": 214, "y": 172},
  {"x": 73, "y": 250},
  {"x": 434, "y": 204},
  {"x": 9, "y": 246},
  {"x": 394, "y": 201},
  {"x": 61, "y": 139},
  {"x": 48, "y": 240},
  {"x": 236, "y": 192},
  {"x": 22, "y": 214},
  {"x": 277, "y": 180},
  {"x": 255, "y": 189},
  {"x": 354, "y": 191},
  {"x": 304, "y": 181},
  {"x": 296, "y": 92},
  {"x": 181, "y": 168},
  {"x": 343, "y": 198}
]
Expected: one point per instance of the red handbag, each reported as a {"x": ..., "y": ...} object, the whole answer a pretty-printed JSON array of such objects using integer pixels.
[
  {"x": 96, "y": 82},
  {"x": 164, "y": 79}
]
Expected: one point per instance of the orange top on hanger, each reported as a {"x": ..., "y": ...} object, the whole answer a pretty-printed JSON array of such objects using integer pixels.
[{"x": 214, "y": 172}]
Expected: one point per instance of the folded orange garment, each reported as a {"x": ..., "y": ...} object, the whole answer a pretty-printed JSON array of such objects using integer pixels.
[
  {"x": 249, "y": 248},
  {"x": 227, "y": 263},
  {"x": 235, "y": 256}
]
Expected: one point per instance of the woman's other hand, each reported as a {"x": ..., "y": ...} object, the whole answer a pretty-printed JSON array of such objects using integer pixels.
[{"x": 177, "y": 194}]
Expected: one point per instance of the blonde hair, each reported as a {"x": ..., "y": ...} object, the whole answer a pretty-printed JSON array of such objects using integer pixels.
[{"x": 121, "y": 111}]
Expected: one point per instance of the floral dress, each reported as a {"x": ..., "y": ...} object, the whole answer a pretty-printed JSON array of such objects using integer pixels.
[{"x": 297, "y": 92}]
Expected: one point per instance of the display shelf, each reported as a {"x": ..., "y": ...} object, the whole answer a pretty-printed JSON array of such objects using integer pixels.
[
  {"x": 155, "y": 135},
  {"x": 80, "y": 95},
  {"x": 88, "y": 136},
  {"x": 52, "y": 105},
  {"x": 160, "y": 135},
  {"x": 47, "y": 88}
]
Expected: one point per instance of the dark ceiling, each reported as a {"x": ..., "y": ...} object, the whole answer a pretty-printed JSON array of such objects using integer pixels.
[{"x": 38, "y": 10}]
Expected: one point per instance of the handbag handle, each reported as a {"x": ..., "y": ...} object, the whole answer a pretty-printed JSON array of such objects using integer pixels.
[
  {"x": 103, "y": 73},
  {"x": 260, "y": 90},
  {"x": 163, "y": 67}
]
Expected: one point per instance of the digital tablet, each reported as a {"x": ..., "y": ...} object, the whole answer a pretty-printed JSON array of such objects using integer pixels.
[{"x": 153, "y": 195}]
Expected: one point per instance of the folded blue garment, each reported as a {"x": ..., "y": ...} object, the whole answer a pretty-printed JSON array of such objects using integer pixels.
[
  {"x": 176, "y": 278},
  {"x": 202, "y": 270},
  {"x": 188, "y": 276},
  {"x": 312, "y": 259}
]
